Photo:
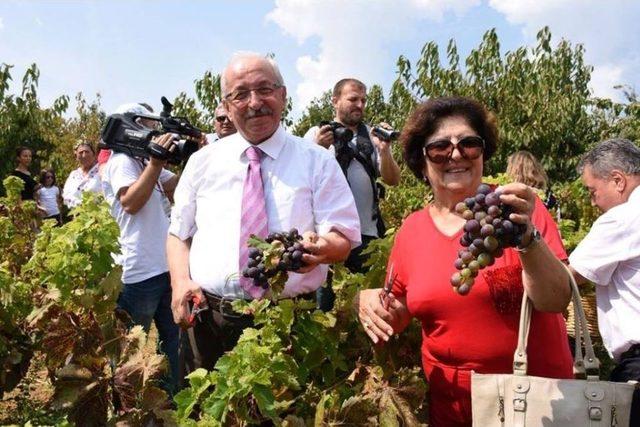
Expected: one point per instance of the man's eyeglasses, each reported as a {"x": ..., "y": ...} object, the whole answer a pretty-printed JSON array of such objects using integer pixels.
[
  {"x": 222, "y": 119},
  {"x": 470, "y": 148},
  {"x": 241, "y": 96}
]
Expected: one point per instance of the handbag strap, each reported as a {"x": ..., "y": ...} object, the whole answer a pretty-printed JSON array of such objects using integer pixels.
[{"x": 589, "y": 362}]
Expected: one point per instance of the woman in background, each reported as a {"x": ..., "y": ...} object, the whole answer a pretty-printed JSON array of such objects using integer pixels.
[
  {"x": 85, "y": 178},
  {"x": 48, "y": 196},
  {"x": 522, "y": 166},
  {"x": 24, "y": 155}
]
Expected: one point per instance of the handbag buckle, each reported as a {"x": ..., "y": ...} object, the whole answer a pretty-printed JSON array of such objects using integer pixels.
[
  {"x": 519, "y": 405},
  {"x": 595, "y": 413}
]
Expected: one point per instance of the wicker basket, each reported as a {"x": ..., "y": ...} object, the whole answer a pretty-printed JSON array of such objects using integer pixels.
[{"x": 589, "y": 305}]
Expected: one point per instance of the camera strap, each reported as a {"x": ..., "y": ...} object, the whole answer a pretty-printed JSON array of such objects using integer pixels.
[{"x": 363, "y": 154}]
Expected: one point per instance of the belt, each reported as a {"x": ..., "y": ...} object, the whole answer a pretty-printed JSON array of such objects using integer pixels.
[
  {"x": 223, "y": 305},
  {"x": 633, "y": 351}
]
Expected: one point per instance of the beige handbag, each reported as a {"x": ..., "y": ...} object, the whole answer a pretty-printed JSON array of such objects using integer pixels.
[{"x": 518, "y": 400}]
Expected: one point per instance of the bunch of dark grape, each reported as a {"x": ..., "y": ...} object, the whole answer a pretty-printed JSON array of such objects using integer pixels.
[
  {"x": 487, "y": 232},
  {"x": 284, "y": 253}
]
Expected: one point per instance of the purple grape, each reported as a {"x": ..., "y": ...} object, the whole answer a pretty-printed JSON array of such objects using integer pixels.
[
  {"x": 494, "y": 211},
  {"x": 484, "y": 189},
  {"x": 480, "y": 198},
  {"x": 487, "y": 230},
  {"x": 472, "y": 226},
  {"x": 459, "y": 264},
  {"x": 492, "y": 199},
  {"x": 470, "y": 202}
]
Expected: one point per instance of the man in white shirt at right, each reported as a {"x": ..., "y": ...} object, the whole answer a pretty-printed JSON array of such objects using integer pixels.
[{"x": 609, "y": 255}]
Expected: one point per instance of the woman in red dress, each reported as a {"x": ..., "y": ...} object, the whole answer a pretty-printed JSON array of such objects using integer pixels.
[{"x": 446, "y": 141}]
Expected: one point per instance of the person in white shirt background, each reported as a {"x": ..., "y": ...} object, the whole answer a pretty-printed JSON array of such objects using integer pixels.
[
  {"x": 223, "y": 125},
  {"x": 136, "y": 188},
  {"x": 48, "y": 196},
  {"x": 609, "y": 255},
  {"x": 85, "y": 178},
  {"x": 303, "y": 187}
]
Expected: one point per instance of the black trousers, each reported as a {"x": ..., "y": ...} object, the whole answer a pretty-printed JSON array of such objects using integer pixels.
[
  {"x": 216, "y": 331},
  {"x": 325, "y": 295},
  {"x": 626, "y": 370}
]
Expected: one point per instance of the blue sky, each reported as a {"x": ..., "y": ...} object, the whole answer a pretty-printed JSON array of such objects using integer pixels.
[{"x": 139, "y": 50}]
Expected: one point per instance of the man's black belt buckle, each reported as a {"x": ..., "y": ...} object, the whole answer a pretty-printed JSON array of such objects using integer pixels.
[{"x": 222, "y": 305}]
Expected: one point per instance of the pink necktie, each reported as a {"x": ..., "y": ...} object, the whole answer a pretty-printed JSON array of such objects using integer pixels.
[{"x": 254, "y": 217}]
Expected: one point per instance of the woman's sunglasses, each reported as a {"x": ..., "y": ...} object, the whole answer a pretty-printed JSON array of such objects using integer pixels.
[{"x": 470, "y": 148}]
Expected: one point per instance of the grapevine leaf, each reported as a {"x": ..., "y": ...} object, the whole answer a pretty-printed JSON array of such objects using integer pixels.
[{"x": 265, "y": 399}]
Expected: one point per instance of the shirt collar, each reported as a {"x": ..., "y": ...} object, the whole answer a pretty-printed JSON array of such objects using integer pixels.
[{"x": 271, "y": 146}]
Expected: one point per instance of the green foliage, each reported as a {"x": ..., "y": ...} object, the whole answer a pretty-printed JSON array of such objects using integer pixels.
[
  {"x": 85, "y": 126},
  {"x": 17, "y": 232},
  {"x": 301, "y": 365},
  {"x": 320, "y": 109},
  {"x": 23, "y": 122}
]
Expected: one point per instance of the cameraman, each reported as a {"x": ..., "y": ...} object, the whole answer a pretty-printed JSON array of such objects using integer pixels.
[
  {"x": 368, "y": 158},
  {"x": 135, "y": 189}
]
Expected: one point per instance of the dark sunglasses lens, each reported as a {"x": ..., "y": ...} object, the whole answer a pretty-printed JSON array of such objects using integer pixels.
[
  {"x": 439, "y": 151},
  {"x": 471, "y": 147},
  {"x": 221, "y": 119}
]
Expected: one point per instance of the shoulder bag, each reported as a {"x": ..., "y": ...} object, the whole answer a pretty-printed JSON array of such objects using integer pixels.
[{"x": 519, "y": 400}]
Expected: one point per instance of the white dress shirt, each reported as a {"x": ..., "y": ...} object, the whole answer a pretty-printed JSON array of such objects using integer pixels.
[
  {"x": 303, "y": 188},
  {"x": 610, "y": 257}
]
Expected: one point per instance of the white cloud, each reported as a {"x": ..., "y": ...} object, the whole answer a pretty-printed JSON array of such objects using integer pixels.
[
  {"x": 354, "y": 36},
  {"x": 606, "y": 29},
  {"x": 1, "y": 23},
  {"x": 604, "y": 78},
  {"x": 39, "y": 22}
]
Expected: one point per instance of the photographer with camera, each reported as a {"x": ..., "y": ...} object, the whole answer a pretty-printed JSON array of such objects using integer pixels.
[
  {"x": 363, "y": 155},
  {"x": 135, "y": 185}
]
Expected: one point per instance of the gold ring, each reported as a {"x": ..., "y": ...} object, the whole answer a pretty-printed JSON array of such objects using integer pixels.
[{"x": 366, "y": 324}]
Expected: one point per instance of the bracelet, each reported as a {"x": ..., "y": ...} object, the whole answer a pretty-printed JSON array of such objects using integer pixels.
[{"x": 533, "y": 241}]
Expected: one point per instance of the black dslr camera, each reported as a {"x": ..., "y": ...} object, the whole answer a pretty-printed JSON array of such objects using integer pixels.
[
  {"x": 341, "y": 135},
  {"x": 122, "y": 133}
]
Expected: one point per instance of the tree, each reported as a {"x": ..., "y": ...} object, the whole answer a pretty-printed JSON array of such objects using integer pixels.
[{"x": 23, "y": 122}]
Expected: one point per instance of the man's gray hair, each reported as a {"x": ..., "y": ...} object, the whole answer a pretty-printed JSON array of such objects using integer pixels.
[
  {"x": 242, "y": 55},
  {"x": 612, "y": 154}
]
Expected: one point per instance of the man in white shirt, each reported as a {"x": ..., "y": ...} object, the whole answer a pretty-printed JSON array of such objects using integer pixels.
[
  {"x": 135, "y": 188},
  {"x": 303, "y": 188},
  {"x": 609, "y": 255}
]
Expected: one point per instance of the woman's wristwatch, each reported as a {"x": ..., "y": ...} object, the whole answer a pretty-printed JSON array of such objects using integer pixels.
[{"x": 534, "y": 238}]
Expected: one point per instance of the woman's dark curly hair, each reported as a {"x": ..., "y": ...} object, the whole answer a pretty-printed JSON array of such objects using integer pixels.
[{"x": 425, "y": 119}]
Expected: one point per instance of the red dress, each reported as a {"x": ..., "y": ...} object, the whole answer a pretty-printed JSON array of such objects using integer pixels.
[{"x": 477, "y": 331}]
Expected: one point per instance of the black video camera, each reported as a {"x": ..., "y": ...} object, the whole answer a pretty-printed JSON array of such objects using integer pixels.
[
  {"x": 341, "y": 135},
  {"x": 123, "y": 133},
  {"x": 385, "y": 134}
]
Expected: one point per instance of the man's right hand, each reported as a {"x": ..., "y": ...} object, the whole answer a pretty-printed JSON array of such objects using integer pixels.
[
  {"x": 166, "y": 142},
  {"x": 181, "y": 295},
  {"x": 324, "y": 137}
]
